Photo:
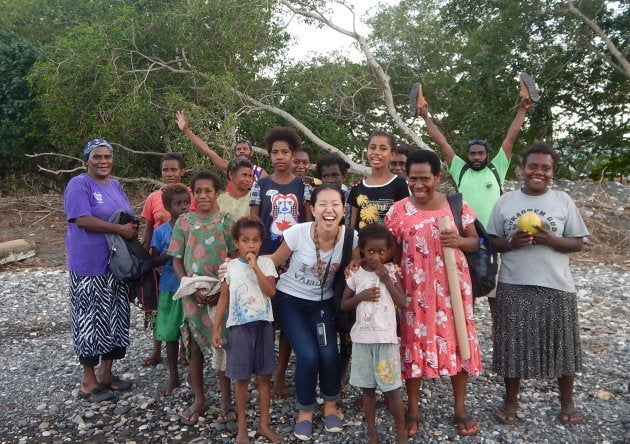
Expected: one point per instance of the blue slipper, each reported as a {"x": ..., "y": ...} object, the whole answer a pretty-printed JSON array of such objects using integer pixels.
[
  {"x": 303, "y": 430},
  {"x": 333, "y": 423}
]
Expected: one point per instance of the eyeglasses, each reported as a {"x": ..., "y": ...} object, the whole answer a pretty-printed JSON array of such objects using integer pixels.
[{"x": 477, "y": 142}]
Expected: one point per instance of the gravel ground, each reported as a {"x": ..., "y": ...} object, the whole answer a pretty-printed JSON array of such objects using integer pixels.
[{"x": 40, "y": 376}]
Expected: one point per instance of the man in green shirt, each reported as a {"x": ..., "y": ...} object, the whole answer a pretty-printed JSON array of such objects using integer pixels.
[{"x": 479, "y": 180}]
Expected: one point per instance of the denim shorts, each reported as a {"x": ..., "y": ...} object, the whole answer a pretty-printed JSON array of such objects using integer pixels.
[{"x": 376, "y": 365}]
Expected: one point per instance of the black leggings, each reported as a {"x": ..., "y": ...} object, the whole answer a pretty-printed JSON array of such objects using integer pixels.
[{"x": 92, "y": 361}]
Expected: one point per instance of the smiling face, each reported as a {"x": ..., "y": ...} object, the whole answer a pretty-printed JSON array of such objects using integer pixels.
[
  {"x": 422, "y": 182},
  {"x": 249, "y": 241},
  {"x": 301, "y": 163},
  {"x": 537, "y": 173},
  {"x": 379, "y": 151},
  {"x": 100, "y": 163},
  {"x": 281, "y": 156},
  {"x": 172, "y": 172},
  {"x": 205, "y": 195},
  {"x": 328, "y": 208},
  {"x": 243, "y": 150}
]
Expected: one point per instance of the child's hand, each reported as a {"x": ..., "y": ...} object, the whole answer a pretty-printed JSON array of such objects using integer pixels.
[
  {"x": 223, "y": 268},
  {"x": 351, "y": 268},
  {"x": 380, "y": 270},
  {"x": 251, "y": 259},
  {"x": 370, "y": 294},
  {"x": 216, "y": 338}
]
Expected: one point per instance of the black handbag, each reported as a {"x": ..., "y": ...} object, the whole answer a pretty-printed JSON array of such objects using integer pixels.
[{"x": 344, "y": 320}]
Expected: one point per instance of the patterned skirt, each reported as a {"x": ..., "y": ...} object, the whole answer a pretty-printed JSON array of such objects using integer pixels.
[
  {"x": 536, "y": 333},
  {"x": 99, "y": 314}
]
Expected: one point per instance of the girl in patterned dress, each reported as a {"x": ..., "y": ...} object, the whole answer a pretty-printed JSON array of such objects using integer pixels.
[
  {"x": 428, "y": 340},
  {"x": 200, "y": 242}
]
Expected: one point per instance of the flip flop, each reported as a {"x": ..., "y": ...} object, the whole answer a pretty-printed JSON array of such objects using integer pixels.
[
  {"x": 506, "y": 415},
  {"x": 571, "y": 417},
  {"x": 192, "y": 417},
  {"x": 416, "y": 99},
  {"x": 529, "y": 90},
  {"x": 463, "y": 421},
  {"x": 228, "y": 416},
  {"x": 118, "y": 384},
  {"x": 99, "y": 394}
]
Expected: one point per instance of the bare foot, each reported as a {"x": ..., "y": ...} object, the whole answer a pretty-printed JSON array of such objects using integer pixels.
[
  {"x": 242, "y": 437},
  {"x": 153, "y": 359},
  {"x": 270, "y": 434},
  {"x": 373, "y": 437},
  {"x": 170, "y": 386},
  {"x": 401, "y": 437},
  {"x": 279, "y": 390}
]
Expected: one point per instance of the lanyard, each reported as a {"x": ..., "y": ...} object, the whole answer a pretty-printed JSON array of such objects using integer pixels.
[{"x": 322, "y": 274}]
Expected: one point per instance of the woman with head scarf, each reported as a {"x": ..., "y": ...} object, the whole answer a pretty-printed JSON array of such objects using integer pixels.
[{"x": 99, "y": 305}]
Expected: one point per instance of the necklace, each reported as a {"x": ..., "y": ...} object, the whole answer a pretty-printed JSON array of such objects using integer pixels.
[{"x": 321, "y": 271}]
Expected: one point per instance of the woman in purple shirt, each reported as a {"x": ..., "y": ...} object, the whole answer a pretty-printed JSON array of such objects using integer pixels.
[{"x": 99, "y": 305}]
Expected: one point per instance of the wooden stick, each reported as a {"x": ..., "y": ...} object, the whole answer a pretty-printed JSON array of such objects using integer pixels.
[{"x": 456, "y": 294}]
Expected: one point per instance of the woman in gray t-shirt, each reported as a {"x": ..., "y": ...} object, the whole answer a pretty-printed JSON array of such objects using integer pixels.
[{"x": 536, "y": 333}]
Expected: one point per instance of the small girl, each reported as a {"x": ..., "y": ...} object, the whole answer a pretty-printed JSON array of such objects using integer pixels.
[
  {"x": 373, "y": 290},
  {"x": 250, "y": 283},
  {"x": 201, "y": 241},
  {"x": 176, "y": 200},
  {"x": 372, "y": 197}
]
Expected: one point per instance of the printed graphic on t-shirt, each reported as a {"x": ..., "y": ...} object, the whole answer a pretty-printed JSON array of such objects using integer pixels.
[{"x": 284, "y": 212}]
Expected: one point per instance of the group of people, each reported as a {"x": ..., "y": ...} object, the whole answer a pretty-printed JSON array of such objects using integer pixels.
[{"x": 280, "y": 251}]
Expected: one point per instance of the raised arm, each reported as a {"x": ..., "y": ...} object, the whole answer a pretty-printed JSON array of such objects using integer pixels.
[
  {"x": 436, "y": 135},
  {"x": 515, "y": 127},
  {"x": 182, "y": 123}
]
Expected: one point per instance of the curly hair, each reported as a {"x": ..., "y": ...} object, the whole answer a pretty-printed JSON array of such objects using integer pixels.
[
  {"x": 247, "y": 222},
  {"x": 173, "y": 156},
  {"x": 541, "y": 148},
  {"x": 329, "y": 160},
  {"x": 172, "y": 190},
  {"x": 285, "y": 134},
  {"x": 376, "y": 231},
  {"x": 217, "y": 183}
]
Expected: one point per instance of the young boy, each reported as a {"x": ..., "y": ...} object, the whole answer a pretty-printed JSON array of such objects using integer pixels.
[
  {"x": 155, "y": 214},
  {"x": 170, "y": 314},
  {"x": 375, "y": 291},
  {"x": 279, "y": 201},
  {"x": 249, "y": 285}
]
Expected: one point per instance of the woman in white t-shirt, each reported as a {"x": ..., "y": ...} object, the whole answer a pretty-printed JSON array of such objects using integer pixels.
[{"x": 304, "y": 306}]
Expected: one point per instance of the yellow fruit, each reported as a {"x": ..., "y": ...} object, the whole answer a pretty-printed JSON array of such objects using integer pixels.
[{"x": 528, "y": 222}]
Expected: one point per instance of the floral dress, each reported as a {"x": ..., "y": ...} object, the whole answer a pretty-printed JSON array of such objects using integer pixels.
[
  {"x": 203, "y": 244},
  {"x": 428, "y": 340}
]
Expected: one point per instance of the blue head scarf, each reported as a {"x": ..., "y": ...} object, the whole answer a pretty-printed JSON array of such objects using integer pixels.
[{"x": 95, "y": 143}]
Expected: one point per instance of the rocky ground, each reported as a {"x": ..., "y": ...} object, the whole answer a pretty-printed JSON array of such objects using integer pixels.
[{"x": 40, "y": 374}]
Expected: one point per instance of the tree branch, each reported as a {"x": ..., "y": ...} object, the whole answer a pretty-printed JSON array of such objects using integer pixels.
[
  {"x": 609, "y": 43},
  {"x": 379, "y": 72}
]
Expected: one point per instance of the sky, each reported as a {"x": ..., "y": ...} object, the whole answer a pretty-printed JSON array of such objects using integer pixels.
[{"x": 311, "y": 41}]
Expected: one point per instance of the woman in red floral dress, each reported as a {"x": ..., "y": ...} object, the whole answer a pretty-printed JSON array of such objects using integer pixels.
[{"x": 428, "y": 340}]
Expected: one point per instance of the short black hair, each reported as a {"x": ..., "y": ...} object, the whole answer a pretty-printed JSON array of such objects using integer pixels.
[
  {"x": 329, "y": 160},
  {"x": 309, "y": 152},
  {"x": 173, "y": 156},
  {"x": 247, "y": 222},
  {"x": 424, "y": 156},
  {"x": 541, "y": 148},
  {"x": 236, "y": 163},
  {"x": 376, "y": 231},
  {"x": 285, "y": 134},
  {"x": 172, "y": 190},
  {"x": 404, "y": 149},
  {"x": 239, "y": 141},
  {"x": 217, "y": 183}
]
